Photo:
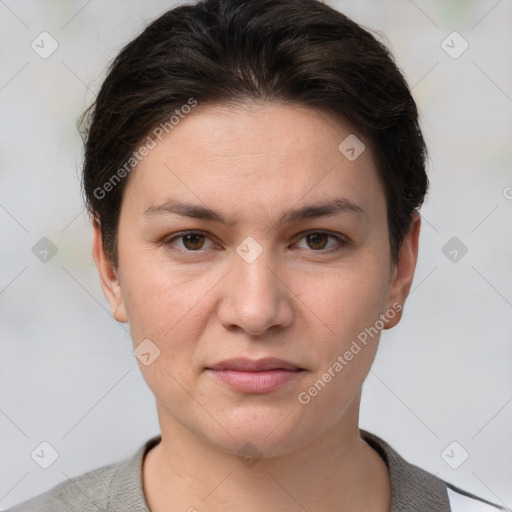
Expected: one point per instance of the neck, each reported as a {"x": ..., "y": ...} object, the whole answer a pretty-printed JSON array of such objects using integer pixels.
[{"x": 336, "y": 472}]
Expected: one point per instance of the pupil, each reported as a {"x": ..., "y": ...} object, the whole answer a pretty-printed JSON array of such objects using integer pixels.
[
  {"x": 315, "y": 239},
  {"x": 193, "y": 239}
]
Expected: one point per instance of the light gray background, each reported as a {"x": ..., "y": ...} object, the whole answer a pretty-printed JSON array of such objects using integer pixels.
[{"x": 67, "y": 372}]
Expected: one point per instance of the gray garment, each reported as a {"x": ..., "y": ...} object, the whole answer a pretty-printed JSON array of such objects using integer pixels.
[{"x": 118, "y": 487}]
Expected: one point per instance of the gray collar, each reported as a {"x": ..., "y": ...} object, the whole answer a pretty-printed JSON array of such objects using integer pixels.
[
  {"x": 412, "y": 488},
  {"x": 126, "y": 491}
]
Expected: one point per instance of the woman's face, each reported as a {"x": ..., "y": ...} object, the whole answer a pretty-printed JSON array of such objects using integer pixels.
[{"x": 293, "y": 265}]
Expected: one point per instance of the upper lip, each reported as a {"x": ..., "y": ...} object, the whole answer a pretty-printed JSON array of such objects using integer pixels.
[{"x": 254, "y": 365}]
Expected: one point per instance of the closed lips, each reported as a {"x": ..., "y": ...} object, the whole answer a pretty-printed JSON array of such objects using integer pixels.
[{"x": 260, "y": 365}]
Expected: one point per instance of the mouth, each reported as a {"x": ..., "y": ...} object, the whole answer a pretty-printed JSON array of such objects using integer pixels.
[{"x": 255, "y": 376}]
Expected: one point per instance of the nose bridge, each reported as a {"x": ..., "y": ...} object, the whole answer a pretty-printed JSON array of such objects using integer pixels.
[
  {"x": 252, "y": 274},
  {"x": 255, "y": 297}
]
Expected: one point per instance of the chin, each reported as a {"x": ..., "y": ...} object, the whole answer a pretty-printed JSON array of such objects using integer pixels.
[{"x": 267, "y": 433}]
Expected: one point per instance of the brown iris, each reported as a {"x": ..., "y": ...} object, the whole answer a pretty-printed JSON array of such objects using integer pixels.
[
  {"x": 317, "y": 238},
  {"x": 193, "y": 241}
]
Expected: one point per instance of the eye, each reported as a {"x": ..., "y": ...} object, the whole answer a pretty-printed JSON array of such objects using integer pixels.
[
  {"x": 317, "y": 240},
  {"x": 192, "y": 240}
]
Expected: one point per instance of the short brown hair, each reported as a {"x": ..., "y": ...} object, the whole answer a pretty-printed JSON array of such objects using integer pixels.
[{"x": 231, "y": 51}]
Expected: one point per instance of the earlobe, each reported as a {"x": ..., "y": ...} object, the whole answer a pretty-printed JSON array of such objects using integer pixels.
[
  {"x": 108, "y": 277},
  {"x": 403, "y": 271}
]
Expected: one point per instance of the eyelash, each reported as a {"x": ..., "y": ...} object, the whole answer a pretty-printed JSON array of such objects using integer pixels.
[{"x": 341, "y": 241}]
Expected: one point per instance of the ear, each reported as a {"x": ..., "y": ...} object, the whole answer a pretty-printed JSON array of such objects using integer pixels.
[
  {"x": 403, "y": 272},
  {"x": 108, "y": 278}
]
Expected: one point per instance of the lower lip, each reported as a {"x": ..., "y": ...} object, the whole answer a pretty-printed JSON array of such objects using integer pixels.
[{"x": 256, "y": 382}]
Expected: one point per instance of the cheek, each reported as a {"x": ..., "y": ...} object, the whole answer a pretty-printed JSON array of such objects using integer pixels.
[
  {"x": 348, "y": 301},
  {"x": 158, "y": 302},
  {"x": 350, "y": 304},
  {"x": 166, "y": 307}
]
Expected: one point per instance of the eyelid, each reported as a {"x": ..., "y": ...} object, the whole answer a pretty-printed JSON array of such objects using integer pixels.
[
  {"x": 167, "y": 241},
  {"x": 342, "y": 241}
]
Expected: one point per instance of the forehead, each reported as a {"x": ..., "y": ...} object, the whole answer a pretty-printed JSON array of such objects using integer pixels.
[{"x": 272, "y": 153}]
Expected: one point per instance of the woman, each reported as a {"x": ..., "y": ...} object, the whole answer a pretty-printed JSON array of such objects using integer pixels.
[{"x": 253, "y": 171}]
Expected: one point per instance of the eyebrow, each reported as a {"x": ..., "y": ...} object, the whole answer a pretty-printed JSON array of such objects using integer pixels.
[{"x": 311, "y": 211}]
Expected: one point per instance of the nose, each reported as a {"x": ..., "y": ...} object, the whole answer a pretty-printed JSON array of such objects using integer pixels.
[{"x": 256, "y": 296}]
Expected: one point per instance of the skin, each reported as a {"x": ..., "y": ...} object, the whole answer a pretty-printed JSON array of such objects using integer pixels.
[{"x": 296, "y": 301}]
